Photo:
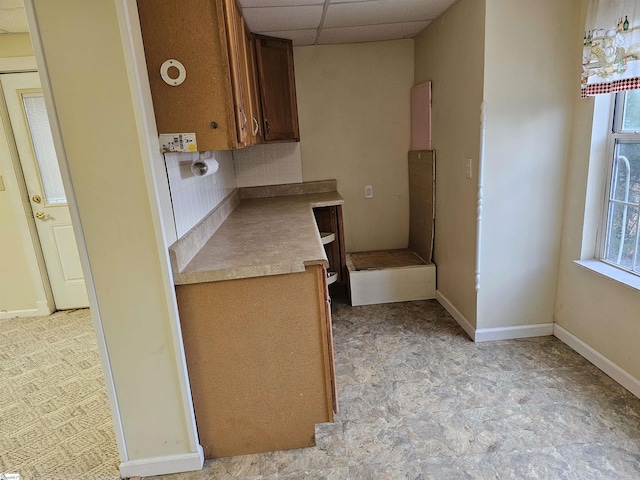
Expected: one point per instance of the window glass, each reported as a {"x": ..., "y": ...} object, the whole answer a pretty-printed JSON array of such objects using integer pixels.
[
  {"x": 44, "y": 150},
  {"x": 622, "y": 238},
  {"x": 622, "y": 235},
  {"x": 626, "y": 173},
  {"x": 631, "y": 113}
]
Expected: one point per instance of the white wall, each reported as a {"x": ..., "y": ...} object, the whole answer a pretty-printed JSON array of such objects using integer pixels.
[
  {"x": 15, "y": 45},
  {"x": 194, "y": 197},
  {"x": 354, "y": 113},
  {"x": 18, "y": 289},
  {"x": 532, "y": 53},
  {"x": 450, "y": 53},
  {"x": 599, "y": 311},
  {"x": 22, "y": 290},
  {"x": 93, "y": 99}
]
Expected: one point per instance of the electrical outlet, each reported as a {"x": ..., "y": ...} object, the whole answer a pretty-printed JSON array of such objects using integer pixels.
[
  {"x": 368, "y": 191},
  {"x": 469, "y": 168}
]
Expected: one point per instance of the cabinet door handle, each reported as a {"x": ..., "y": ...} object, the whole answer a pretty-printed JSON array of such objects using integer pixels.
[
  {"x": 255, "y": 128},
  {"x": 266, "y": 124},
  {"x": 244, "y": 119}
]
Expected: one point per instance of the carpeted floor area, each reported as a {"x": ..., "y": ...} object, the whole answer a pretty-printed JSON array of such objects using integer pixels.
[{"x": 55, "y": 421}]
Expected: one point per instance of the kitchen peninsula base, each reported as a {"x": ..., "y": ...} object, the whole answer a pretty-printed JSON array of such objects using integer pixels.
[{"x": 259, "y": 353}]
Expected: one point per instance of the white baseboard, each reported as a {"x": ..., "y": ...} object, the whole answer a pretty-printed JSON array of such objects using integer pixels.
[
  {"x": 455, "y": 313},
  {"x": 499, "y": 333},
  {"x": 34, "y": 312},
  {"x": 147, "y": 467},
  {"x": 520, "y": 331},
  {"x": 621, "y": 376},
  {"x": 42, "y": 309}
]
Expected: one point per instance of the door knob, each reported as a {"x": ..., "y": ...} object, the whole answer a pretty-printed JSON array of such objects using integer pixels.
[
  {"x": 40, "y": 215},
  {"x": 36, "y": 198}
]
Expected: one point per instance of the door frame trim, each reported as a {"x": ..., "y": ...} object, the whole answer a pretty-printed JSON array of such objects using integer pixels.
[
  {"x": 21, "y": 207},
  {"x": 18, "y": 64}
]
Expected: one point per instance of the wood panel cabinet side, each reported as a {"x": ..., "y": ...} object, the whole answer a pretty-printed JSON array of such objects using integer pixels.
[
  {"x": 257, "y": 361},
  {"x": 196, "y": 37}
]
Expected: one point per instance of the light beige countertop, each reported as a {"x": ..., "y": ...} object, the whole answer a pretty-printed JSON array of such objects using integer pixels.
[{"x": 262, "y": 236}]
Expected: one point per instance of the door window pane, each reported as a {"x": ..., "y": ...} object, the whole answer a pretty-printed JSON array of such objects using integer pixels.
[{"x": 43, "y": 147}]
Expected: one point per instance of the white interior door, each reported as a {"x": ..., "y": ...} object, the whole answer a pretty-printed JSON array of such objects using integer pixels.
[{"x": 32, "y": 133}]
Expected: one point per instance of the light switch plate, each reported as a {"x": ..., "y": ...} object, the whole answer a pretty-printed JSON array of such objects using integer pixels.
[
  {"x": 178, "y": 142},
  {"x": 368, "y": 191}
]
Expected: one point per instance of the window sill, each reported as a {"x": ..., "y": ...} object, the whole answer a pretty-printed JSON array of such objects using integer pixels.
[{"x": 620, "y": 276}]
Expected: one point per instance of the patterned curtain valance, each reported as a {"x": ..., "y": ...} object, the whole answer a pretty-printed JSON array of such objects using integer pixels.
[{"x": 611, "y": 52}]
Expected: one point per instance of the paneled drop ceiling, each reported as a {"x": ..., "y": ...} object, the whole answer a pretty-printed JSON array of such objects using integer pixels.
[
  {"x": 12, "y": 17},
  {"x": 308, "y": 22},
  {"x": 311, "y": 22}
]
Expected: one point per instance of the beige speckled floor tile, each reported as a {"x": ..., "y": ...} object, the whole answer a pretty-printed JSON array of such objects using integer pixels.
[
  {"x": 465, "y": 467},
  {"x": 340, "y": 473},
  {"x": 420, "y": 401},
  {"x": 538, "y": 464},
  {"x": 602, "y": 462},
  {"x": 409, "y": 471},
  {"x": 475, "y": 431},
  {"x": 378, "y": 441}
]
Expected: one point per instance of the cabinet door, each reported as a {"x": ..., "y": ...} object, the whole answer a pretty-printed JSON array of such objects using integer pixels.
[
  {"x": 236, "y": 40},
  {"x": 274, "y": 57},
  {"x": 255, "y": 115}
]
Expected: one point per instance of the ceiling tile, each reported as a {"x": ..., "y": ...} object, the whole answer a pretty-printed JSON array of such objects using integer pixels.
[
  {"x": 371, "y": 33},
  {"x": 13, "y": 19},
  {"x": 299, "y": 37},
  {"x": 383, "y": 12},
  {"x": 6, "y": 4},
  {"x": 273, "y": 19},
  {"x": 278, "y": 3}
]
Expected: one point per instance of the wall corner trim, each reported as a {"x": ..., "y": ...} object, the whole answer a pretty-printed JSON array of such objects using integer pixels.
[
  {"x": 455, "y": 313},
  {"x": 616, "y": 372},
  {"x": 146, "y": 467}
]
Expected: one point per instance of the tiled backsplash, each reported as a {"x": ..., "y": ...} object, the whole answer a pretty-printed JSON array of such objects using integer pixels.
[
  {"x": 272, "y": 164},
  {"x": 194, "y": 197}
]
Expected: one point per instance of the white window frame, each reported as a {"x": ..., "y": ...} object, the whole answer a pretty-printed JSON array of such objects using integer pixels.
[{"x": 615, "y": 135}]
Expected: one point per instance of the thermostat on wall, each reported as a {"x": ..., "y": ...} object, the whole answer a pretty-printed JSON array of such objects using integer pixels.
[{"x": 178, "y": 142}]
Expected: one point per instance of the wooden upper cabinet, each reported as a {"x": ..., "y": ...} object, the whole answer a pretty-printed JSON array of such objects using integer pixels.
[
  {"x": 274, "y": 58},
  {"x": 237, "y": 92},
  {"x": 195, "y": 33}
]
